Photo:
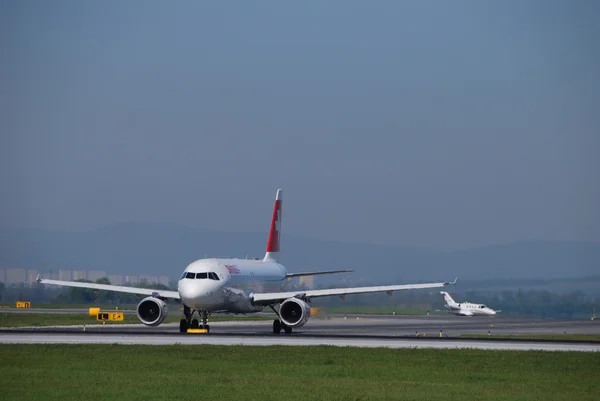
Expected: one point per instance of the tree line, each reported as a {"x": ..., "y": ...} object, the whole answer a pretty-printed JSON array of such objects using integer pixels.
[{"x": 523, "y": 303}]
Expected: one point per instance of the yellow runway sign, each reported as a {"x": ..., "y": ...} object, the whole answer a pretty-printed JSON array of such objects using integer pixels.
[{"x": 116, "y": 316}]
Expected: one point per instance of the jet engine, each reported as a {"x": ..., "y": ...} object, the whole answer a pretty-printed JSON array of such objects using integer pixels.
[
  {"x": 294, "y": 312},
  {"x": 152, "y": 311}
]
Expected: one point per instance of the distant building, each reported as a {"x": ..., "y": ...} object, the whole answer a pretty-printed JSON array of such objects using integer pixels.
[
  {"x": 64, "y": 275},
  {"x": 164, "y": 280},
  {"x": 94, "y": 275},
  {"x": 115, "y": 279},
  {"x": 307, "y": 281},
  {"x": 3, "y": 275},
  {"x": 132, "y": 280},
  {"x": 31, "y": 276},
  {"x": 148, "y": 279},
  {"x": 79, "y": 275},
  {"x": 15, "y": 276}
]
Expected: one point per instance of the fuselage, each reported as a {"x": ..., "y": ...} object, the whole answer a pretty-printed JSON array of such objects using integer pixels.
[
  {"x": 469, "y": 309},
  {"x": 226, "y": 284}
]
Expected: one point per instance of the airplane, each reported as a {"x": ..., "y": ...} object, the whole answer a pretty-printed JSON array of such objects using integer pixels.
[
  {"x": 467, "y": 308},
  {"x": 239, "y": 286}
]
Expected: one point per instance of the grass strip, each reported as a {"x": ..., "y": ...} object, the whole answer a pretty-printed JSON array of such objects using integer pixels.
[
  {"x": 560, "y": 337},
  {"x": 124, "y": 372}
]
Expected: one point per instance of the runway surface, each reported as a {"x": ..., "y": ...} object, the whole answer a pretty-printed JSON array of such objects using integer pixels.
[
  {"x": 450, "y": 325},
  {"x": 367, "y": 331},
  {"x": 384, "y": 325},
  {"x": 164, "y": 339}
]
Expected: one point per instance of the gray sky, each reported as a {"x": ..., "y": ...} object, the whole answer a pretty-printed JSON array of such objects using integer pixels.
[{"x": 438, "y": 124}]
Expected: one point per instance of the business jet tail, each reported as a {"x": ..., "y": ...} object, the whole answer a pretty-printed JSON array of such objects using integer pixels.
[{"x": 449, "y": 301}]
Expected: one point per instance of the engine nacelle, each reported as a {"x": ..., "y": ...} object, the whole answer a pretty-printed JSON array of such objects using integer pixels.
[
  {"x": 152, "y": 311},
  {"x": 294, "y": 312}
]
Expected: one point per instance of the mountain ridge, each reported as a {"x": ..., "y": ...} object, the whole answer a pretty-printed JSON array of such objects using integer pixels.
[{"x": 166, "y": 248}]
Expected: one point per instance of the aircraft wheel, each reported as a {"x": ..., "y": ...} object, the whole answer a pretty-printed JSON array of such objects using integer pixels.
[
  {"x": 207, "y": 327},
  {"x": 195, "y": 324},
  {"x": 183, "y": 326},
  {"x": 276, "y": 326},
  {"x": 288, "y": 330}
]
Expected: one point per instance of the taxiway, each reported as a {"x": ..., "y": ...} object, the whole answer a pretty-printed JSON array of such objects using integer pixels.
[
  {"x": 164, "y": 339},
  {"x": 379, "y": 325},
  {"x": 366, "y": 331}
]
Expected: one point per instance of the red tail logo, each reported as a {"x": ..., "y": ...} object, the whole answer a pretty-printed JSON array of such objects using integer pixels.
[{"x": 273, "y": 244}]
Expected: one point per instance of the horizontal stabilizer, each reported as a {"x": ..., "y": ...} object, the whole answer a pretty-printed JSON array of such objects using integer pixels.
[{"x": 290, "y": 275}]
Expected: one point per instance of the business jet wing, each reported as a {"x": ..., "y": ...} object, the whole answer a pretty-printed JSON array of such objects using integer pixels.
[
  {"x": 290, "y": 275},
  {"x": 108, "y": 287},
  {"x": 266, "y": 298}
]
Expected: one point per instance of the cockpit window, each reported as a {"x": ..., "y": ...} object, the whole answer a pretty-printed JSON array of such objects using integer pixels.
[
  {"x": 201, "y": 276},
  {"x": 482, "y": 306}
]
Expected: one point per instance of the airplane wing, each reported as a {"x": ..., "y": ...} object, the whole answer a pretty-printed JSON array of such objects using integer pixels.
[
  {"x": 290, "y": 275},
  {"x": 272, "y": 297},
  {"x": 115, "y": 288}
]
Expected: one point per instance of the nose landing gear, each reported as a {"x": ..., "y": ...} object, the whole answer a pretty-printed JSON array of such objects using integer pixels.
[{"x": 188, "y": 323}]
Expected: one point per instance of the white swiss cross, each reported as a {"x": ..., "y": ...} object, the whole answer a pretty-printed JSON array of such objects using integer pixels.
[{"x": 278, "y": 221}]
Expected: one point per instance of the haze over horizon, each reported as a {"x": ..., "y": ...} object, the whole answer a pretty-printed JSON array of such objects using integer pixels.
[{"x": 437, "y": 125}]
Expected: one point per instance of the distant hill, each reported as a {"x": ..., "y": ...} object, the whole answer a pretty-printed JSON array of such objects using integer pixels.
[{"x": 165, "y": 249}]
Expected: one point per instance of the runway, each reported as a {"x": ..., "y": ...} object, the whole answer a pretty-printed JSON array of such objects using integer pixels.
[
  {"x": 387, "y": 325},
  {"x": 97, "y": 338},
  {"x": 366, "y": 331},
  {"x": 382, "y": 325}
]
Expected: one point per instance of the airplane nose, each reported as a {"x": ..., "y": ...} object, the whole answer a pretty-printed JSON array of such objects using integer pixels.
[
  {"x": 193, "y": 293},
  {"x": 189, "y": 292}
]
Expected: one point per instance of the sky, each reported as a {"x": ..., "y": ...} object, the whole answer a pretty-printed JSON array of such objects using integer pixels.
[{"x": 434, "y": 124}]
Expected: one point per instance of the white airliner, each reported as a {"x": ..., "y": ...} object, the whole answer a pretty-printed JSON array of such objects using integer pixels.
[
  {"x": 467, "y": 308},
  {"x": 238, "y": 286}
]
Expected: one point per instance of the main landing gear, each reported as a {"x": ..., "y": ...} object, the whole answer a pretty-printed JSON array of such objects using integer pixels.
[
  {"x": 278, "y": 325},
  {"x": 188, "y": 323}
]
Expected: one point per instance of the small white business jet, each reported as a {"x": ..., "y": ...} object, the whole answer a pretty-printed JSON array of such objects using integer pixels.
[
  {"x": 467, "y": 308},
  {"x": 238, "y": 286}
]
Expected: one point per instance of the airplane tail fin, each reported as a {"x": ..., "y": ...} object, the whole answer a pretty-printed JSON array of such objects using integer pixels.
[
  {"x": 447, "y": 298},
  {"x": 272, "y": 253}
]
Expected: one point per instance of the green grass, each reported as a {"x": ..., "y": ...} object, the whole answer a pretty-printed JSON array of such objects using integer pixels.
[
  {"x": 562, "y": 337},
  {"x": 49, "y": 319},
  {"x": 176, "y": 372}
]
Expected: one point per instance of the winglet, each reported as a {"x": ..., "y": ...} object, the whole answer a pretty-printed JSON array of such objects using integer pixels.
[
  {"x": 38, "y": 278},
  {"x": 452, "y": 283}
]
